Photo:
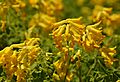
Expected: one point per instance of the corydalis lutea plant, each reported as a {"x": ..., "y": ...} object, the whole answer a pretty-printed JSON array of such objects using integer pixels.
[
  {"x": 110, "y": 21},
  {"x": 63, "y": 67},
  {"x": 73, "y": 31},
  {"x": 17, "y": 59},
  {"x": 5, "y": 6},
  {"x": 49, "y": 7},
  {"x": 69, "y": 32},
  {"x": 45, "y": 16},
  {"x": 52, "y": 7},
  {"x": 42, "y": 20}
]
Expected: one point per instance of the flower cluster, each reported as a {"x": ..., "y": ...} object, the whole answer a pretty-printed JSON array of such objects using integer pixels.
[
  {"x": 17, "y": 5},
  {"x": 51, "y": 7},
  {"x": 44, "y": 21},
  {"x": 46, "y": 14},
  {"x": 109, "y": 20},
  {"x": 107, "y": 54},
  {"x": 68, "y": 32},
  {"x": 17, "y": 58},
  {"x": 101, "y": 13},
  {"x": 62, "y": 67},
  {"x": 73, "y": 31}
]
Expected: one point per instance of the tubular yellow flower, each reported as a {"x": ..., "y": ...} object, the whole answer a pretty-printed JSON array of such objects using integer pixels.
[
  {"x": 17, "y": 62},
  {"x": 51, "y": 7},
  {"x": 14, "y": 58},
  {"x": 101, "y": 13},
  {"x": 56, "y": 77},
  {"x": 107, "y": 54},
  {"x": 69, "y": 30},
  {"x": 67, "y": 34},
  {"x": 40, "y": 20},
  {"x": 113, "y": 24},
  {"x": 61, "y": 30},
  {"x": 3, "y": 27},
  {"x": 93, "y": 37},
  {"x": 61, "y": 67},
  {"x": 72, "y": 31},
  {"x": 110, "y": 21},
  {"x": 69, "y": 77}
]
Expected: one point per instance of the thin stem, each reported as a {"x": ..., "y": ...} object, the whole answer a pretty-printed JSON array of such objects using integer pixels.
[
  {"x": 80, "y": 74},
  {"x": 92, "y": 67},
  {"x": 102, "y": 66},
  {"x": 116, "y": 75}
]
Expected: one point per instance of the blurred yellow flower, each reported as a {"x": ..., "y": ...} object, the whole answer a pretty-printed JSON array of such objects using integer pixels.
[
  {"x": 33, "y": 2},
  {"x": 118, "y": 81},
  {"x": 51, "y": 7},
  {"x": 101, "y": 13}
]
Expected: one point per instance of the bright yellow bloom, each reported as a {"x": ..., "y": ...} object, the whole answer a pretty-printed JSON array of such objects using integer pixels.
[
  {"x": 69, "y": 77},
  {"x": 18, "y": 62},
  {"x": 110, "y": 21},
  {"x": 118, "y": 81},
  {"x": 92, "y": 37},
  {"x": 3, "y": 27},
  {"x": 107, "y": 54},
  {"x": 69, "y": 30},
  {"x": 73, "y": 31},
  {"x": 61, "y": 67}
]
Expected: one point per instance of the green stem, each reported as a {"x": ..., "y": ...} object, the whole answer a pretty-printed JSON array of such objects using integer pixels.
[
  {"x": 94, "y": 64},
  {"x": 91, "y": 67},
  {"x": 102, "y": 66},
  {"x": 80, "y": 74},
  {"x": 116, "y": 75}
]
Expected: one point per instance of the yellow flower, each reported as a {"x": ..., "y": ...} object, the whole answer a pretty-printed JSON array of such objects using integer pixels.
[
  {"x": 107, "y": 54},
  {"x": 61, "y": 67},
  {"x": 56, "y": 77},
  {"x": 20, "y": 75},
  {"x": 3, "y": 27},
  {"x": 69, "y": 30},
  {"x": 33, "y": 2},
  {"x": 14, "y": 58},
  {"x": 73, "y": 31},
  {"x": 51, "y": 7},
  {"x": 101, "y": 13},
  {"x": 98, "y": 2},
  {"x": 92, "y": 37},
  {"x": 40, "y": 20},
  {"x": 110, "y": 21},
  {"x": 118, "y": 81},
  {"x": 18, "y": 62},
  {"x": 69, "y": 77}
]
